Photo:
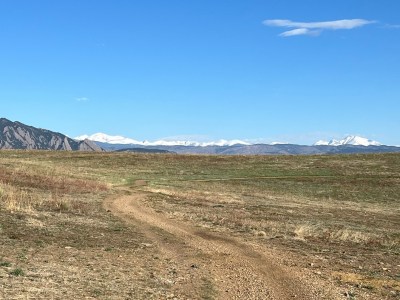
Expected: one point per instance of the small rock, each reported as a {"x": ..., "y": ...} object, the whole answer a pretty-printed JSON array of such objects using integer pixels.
[
  {"x": 194, "y": 266},
  {"x": 349, "y": 294},
  {"x": 217, "y": 205},
  {"x": 260, "y": 233},
  {"x": 68, "y": 247},
  {"x": 277, "y": 237}
]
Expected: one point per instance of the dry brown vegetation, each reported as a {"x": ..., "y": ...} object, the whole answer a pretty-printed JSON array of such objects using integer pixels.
[{"x": 335, "y": 216}]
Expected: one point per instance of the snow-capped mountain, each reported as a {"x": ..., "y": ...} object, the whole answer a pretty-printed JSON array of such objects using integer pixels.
[
  {"x": 109, "y": 139},
  {"x": 181, "y": 145},
  {"x": 349, "y": 140},
  {"x": 120, "y": 140}
]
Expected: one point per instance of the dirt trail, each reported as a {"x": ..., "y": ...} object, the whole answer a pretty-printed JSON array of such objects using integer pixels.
[{"x": 210, "y": 265}]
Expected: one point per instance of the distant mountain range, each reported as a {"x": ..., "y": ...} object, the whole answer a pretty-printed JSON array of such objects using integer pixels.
[
  {"x": 15, "y": 135},
  {"x": 257, "y": 149},
  {"x": 350, "y": 144},
  {"x": 120, "y": 140}
]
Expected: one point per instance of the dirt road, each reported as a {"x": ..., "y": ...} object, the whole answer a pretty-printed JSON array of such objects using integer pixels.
[{"x": 210, "y": 265}]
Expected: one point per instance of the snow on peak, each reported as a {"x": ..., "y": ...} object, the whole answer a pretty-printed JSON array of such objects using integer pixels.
[
  {"x": 104, "y": 138},
  {"x": 278, "y": 143},
  {"x": 349, "y": 140},
  {"x": 321, "y": 143},
  {"x": 110, "y": 139}
]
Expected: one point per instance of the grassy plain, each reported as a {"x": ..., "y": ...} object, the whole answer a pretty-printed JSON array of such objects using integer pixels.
[{"x": 338, "y": 216}]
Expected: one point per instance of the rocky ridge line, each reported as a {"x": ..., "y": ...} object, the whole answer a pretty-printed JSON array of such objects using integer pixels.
[{"x": 16, "y": 135}]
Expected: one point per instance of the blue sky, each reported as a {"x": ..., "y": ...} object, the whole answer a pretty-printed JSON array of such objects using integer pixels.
[{"x": 256, "y": 70}]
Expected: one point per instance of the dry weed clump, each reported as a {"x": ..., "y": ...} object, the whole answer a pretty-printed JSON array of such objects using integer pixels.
[
  {"x": 345, "y": 235},
  {"x": 15, "y": 199},
  {"x": 65, "y": 203},
  {"x": 354, "y": 236}
]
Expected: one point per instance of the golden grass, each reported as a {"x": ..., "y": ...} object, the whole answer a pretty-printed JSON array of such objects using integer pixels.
[
  {"x": 16, "y": 200},
  {"x": 339, "y": 235},
  {"x": 29, "y": 185},
  {"x": 49, "y": 181}
]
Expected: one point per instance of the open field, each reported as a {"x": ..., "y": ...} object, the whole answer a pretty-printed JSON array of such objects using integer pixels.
[{"x": 141, "y": 226}]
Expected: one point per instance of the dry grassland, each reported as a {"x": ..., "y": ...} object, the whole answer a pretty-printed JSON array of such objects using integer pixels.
[{"x": 337, "y": 217}]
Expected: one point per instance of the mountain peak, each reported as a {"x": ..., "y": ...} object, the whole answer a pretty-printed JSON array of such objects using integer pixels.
[{"x": 349, "y": 140}]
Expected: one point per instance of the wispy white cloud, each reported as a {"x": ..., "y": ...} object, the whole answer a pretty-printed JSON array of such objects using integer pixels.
[
  {"x": 391, "y": 26},
  {"x": 315, "y": 28},
  {"x": 82, "y": 99}
]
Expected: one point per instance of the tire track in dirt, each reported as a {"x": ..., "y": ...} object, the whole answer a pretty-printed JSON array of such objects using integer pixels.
[{"x": 227, "y": 267}]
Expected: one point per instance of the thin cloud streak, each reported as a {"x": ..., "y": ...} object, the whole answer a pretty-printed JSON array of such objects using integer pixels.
[
  {"x": 300, "y": 31},
  {"x": 315, "y": 28},
  {"x": 82, "y": 99},
  {"x": 392, "y": 26}
]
